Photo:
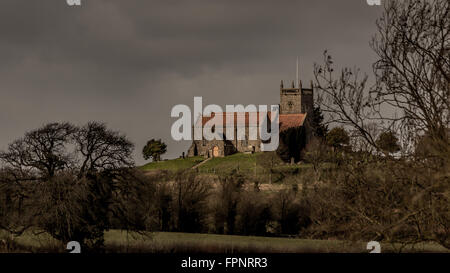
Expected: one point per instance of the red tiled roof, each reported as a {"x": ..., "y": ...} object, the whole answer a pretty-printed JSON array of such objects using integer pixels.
[
  {"x": 291, "y": 120},
  {"x": 286, "y": 120}
]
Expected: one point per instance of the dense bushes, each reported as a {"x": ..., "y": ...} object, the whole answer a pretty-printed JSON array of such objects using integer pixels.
[
  {"x": 385, "y": 199},
  {"x": 190, "y": 193},
  {"x": 229, "y": 195},
  {"x": 228, "y": 204},
  {"x": 292, "y": 213}
]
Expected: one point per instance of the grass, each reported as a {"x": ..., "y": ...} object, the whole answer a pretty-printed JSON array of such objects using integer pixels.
[
  {"x": 240, "y": 161},
  {"x": 174, "y": 164},
  {"x": 243, "y": 163},
  {"x": 174, "y": 242},
  {"x": 170, "y": 242}
]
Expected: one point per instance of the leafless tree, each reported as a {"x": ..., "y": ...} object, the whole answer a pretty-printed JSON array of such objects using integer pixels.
[
  {"x": 228, "y": 198},
  {"x": 412, "y": 76},
  {"x": 42, "y": 152},
  {"x": 190, "y": 201},
  {"x": 345, "y": 99},
  {"x": 413, "y": 70},
  {"x": 402, "y": 200},
  {"x": 101, "y": 149},
  {"x": 66, "y": 175},
  {"x": 16, "y": 210}
]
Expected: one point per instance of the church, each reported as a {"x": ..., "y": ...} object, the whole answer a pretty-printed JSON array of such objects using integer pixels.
[{"x": 296, "y": 106}]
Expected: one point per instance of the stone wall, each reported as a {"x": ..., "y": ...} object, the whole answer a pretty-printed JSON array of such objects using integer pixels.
[{"x": 226, "y": 147}]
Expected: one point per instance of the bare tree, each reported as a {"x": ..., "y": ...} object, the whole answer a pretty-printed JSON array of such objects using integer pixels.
[
  {"x": 67, "y": 175},
  {"x": 413, "y": 70},
  {"x": 400, "y": 200},
  {"x": 41, "y": 153},
  {"x": 345, "y": 99},
  {"x": 190, "y": 202},
  {"x": 228, "y": 198},
  {"x": 16, "y": 210},
  {"x": 412, "y": 73},
  {"x": 101, "y": 149}
]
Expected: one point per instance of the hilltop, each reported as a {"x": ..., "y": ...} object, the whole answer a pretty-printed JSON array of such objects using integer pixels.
[{"x": 251, "y": 165}]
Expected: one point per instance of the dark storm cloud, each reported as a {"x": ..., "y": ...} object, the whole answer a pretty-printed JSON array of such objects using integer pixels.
[{"x": 128, "y": 62}]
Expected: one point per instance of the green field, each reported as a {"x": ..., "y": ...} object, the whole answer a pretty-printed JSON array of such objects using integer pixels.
[{"x": 173, "y": 242}]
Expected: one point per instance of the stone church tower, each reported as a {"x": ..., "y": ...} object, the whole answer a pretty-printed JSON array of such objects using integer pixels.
[{"x": 296, "y": 99}]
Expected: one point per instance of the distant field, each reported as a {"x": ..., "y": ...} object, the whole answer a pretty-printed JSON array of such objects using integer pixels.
[
  {"x": 213, "y": 243},
  {"x": 169, "y": 242},
  {"x": 173, "y": 242}
]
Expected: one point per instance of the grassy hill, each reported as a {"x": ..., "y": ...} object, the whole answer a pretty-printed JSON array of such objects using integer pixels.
[
  {"x": 239, "y": 161},
  {"x": 173, "y": 165},
  {"x": 251, "y": 165},
  {"x": 245, "y": 162}
]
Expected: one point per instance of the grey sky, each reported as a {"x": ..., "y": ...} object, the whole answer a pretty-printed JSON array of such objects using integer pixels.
[{"x": 128, "y": 62}]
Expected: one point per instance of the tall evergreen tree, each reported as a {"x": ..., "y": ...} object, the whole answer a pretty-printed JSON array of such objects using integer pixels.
[{"x": 320, "y": 129}]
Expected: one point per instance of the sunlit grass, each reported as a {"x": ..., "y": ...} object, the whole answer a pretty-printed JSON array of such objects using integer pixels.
[{"x": 174, "y": 164}]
